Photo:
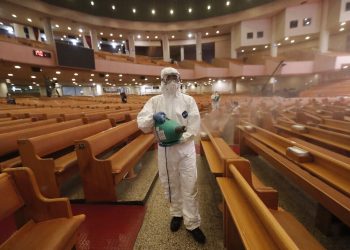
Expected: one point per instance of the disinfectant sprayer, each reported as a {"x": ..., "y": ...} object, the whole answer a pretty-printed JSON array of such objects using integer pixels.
[{"x": 169, "y": 132}]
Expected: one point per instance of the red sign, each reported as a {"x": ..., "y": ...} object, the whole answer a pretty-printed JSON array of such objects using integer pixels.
[{"x": 41, "y": 53}]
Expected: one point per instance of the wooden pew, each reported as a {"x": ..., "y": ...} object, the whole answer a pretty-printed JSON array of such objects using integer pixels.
[
  {"x": 330, "y": 139},
  {"x": 28, "y": 125},
  {"x": 250, "y": 224},
  {"x": 9, "y": 145},
  {"x": 52, "y": 172},
  {"x": 42, "y": 223},
  {"x": 100, "y": 176},
  {"x": 325, "y": 178},
  {"x": 17, "y": 122}
]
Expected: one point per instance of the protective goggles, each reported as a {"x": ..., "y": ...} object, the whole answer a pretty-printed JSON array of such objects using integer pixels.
[{"x": 172, "y": 77}]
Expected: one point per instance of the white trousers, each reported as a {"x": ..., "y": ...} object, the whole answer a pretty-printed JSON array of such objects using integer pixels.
[{"x": 178, "y": 175}]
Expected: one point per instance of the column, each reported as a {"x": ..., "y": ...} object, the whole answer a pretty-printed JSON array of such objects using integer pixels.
[
  {"x": 19, "y": 32},
  {"x": 324, "y": 33},
  {"x": 234, "y": 85},
  {"x": 48, "y": 30},
  {"x": 233, "y": 44},
  {"x": 273, "y": 45},
  {"x": 166, "y": 48},
  {"x": 131, "y": 40},
  {"x": 199, "y": 46},
  {"x": 182, "y": 53},
  {"x": 94, "y": 39},
  {"x": 3, "y": 89},
  {"x": 99, "y": 89}
]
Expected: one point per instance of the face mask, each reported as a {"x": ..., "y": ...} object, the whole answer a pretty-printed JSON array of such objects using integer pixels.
[{"x": 170, "y": 88}]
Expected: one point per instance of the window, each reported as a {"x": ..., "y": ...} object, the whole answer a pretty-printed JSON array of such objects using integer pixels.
[
  {"x": 293, "y": 24},
  {"x": 250, "y": 35},
  {"x": 260, "y": 34},
  {"x": 347, "y": 6},
  {"x": 307, "y": 21}
]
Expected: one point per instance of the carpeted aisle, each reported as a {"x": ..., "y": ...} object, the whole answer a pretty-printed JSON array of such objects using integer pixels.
[{"x": 108, "y": 226}]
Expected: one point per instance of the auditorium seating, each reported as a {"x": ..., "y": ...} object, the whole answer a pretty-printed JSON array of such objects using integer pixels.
[
  {"x": 52, "y": 171},
  {"x": 42, "y": 223},
  {"x": 101, "y": 174}
]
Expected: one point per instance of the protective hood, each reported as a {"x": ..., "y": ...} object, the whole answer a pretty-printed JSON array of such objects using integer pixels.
[{"x": 170, "y": 87}]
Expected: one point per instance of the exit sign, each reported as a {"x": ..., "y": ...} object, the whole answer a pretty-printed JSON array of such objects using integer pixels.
[{"x": 41, "y": 53}]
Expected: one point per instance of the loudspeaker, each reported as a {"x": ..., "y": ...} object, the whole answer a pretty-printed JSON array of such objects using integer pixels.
[{"x": 36, "y": 69}]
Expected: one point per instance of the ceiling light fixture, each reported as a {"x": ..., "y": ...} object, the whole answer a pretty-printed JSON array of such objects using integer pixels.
[
  {"x": 307, "y": 38},
  {"x": 113, "y": 7},
  {"x": 57, "y": 26},
  {"x": 138, "y": 36},
  {"x": 69, "y": 28},
  {"x": 209, "y": 7},
  {"x": 29, "y": 20},
  {"x": 153, "y": 11},
  {"x": 286, "y": 38},
  {"x": 218, "y": 31},
  {"x": 189, "y": 10},
  {"x": 101, "y": 33},
  {"x": 171, "y": 12},
  {"x": 111, "y": 34},
  {"x": 58, "y": 72},
  {"x": 172, "y": 36},
  {"x": 17, "y": 67},
  {"x": 134, "y": 10},
  {"x": 206, "y": 33},
  {"x": 292, "y": 41},
  {"x": 189, "y": 35},
  {"x": 13, "y": 15},
  {"x": 81, "y": 30},
  {"x": 76, "y": 74},
  {"x": 228, "y": 3},
  {"x": 10, "y": 74},
  {"x": 120, "y": 35},
  {"x": 92, "y": 3},
  {"x": 343, "y": 23},
  {"x": 341, "y": 29}
]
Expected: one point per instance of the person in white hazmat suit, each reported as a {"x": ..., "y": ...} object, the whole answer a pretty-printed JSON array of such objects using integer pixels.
[{"x": 176, "y": 163}]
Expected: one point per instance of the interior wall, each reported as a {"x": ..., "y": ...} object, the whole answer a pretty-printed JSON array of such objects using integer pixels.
[{"x": 223, "y": 49}]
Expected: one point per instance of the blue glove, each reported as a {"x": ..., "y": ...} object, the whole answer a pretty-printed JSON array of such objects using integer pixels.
[{"x": 159, "y": 117}]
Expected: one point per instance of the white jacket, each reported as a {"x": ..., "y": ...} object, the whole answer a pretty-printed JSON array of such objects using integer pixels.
[{"x": 175, "y": 108}]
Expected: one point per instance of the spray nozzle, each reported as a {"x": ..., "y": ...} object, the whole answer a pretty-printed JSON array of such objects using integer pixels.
[{"x": 180, "y": 129}]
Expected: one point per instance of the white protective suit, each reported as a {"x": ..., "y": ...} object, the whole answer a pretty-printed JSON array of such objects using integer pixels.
[{"x": 176, "y": 163}]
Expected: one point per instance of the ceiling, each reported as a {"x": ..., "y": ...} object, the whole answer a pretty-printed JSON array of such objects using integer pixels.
[{"x": 123, "y": 9}]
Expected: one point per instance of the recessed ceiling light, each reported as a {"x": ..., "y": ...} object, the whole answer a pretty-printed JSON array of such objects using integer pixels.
[
  {"x": 292, "y": 41},
  {"x": 79, "y": 35},
  {"x": 171, "y": 11},
  {"x": 138, "y": 36},
  {"x": 242, "y": 50},
  {"x": 278, "y": 44},
  {"x": 120, "y": 35},
  {"x": 57, "y": 26},
  {"x": 206, "y": 33},
  {"x": 189, "y": 10},
  {"x": 90, "y": 80},
  {"x": 189, "y": 35},
  {"x": 33, "y": 77},
  {"x": 120, "y": 75},
  {"x": 113, "y": 7},
  {"x": 254, "y": 49},
  {"x": 307, "y": 38},
  {"x": 107, "y": 75},
  {"x": 146, "y": 79},
  {"x": 133, "y": 79},
  {"x": 286, "y": 38},
  {"x": 111, "y": 34},
  {"x": 120, "y": 80},
  {"x": 147, "y": 37},
  {"x": 58, "y": 72},
  {"x": 92, "y": 74},
  {"x": 92, "y": 3},
  {"x": 133, "y": 10},
  {"x": 64, "y": 36},
  {"x": 69, "y": 28},
  {"x": 153, "y": 11},
  {"x": 54, "y": 78},
  {"x": 172, "y": 36},
  {"x": 209, "y": 7},
  {"x": 106, "y": 80},
  {"x": 17, "y": 67},
  {"x": 29, "y": 20},
  {"x": 76, "y": 74},
  {"x": 80, "y": 30},
  {"x": 342, "y": 29},
  {"x": 266, "y": 46},
  {"x": 101, "y": 33},
  {"x": 218, "y": 31},
  {"x": 10, "y": 74},
  {"x": 156, "y": 37},
  {"x": 13, "y": 15},
  {"x": 343, "y": 23},
  {"x": 228, "y": 3},
  {"x": 73, "y": 79}
]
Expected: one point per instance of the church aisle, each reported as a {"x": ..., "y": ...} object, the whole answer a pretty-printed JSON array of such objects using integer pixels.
[{"x": 155, "y": 232}]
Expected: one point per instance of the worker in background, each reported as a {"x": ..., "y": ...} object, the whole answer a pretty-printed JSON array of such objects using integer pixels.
[
  {"x": 123, "y": 97},
  {"x": 215, "y": 99},
  {"x": 176, "y": 159}
]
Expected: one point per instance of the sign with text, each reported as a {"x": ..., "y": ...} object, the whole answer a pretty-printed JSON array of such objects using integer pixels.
[{"x": 41, "y": 53}]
